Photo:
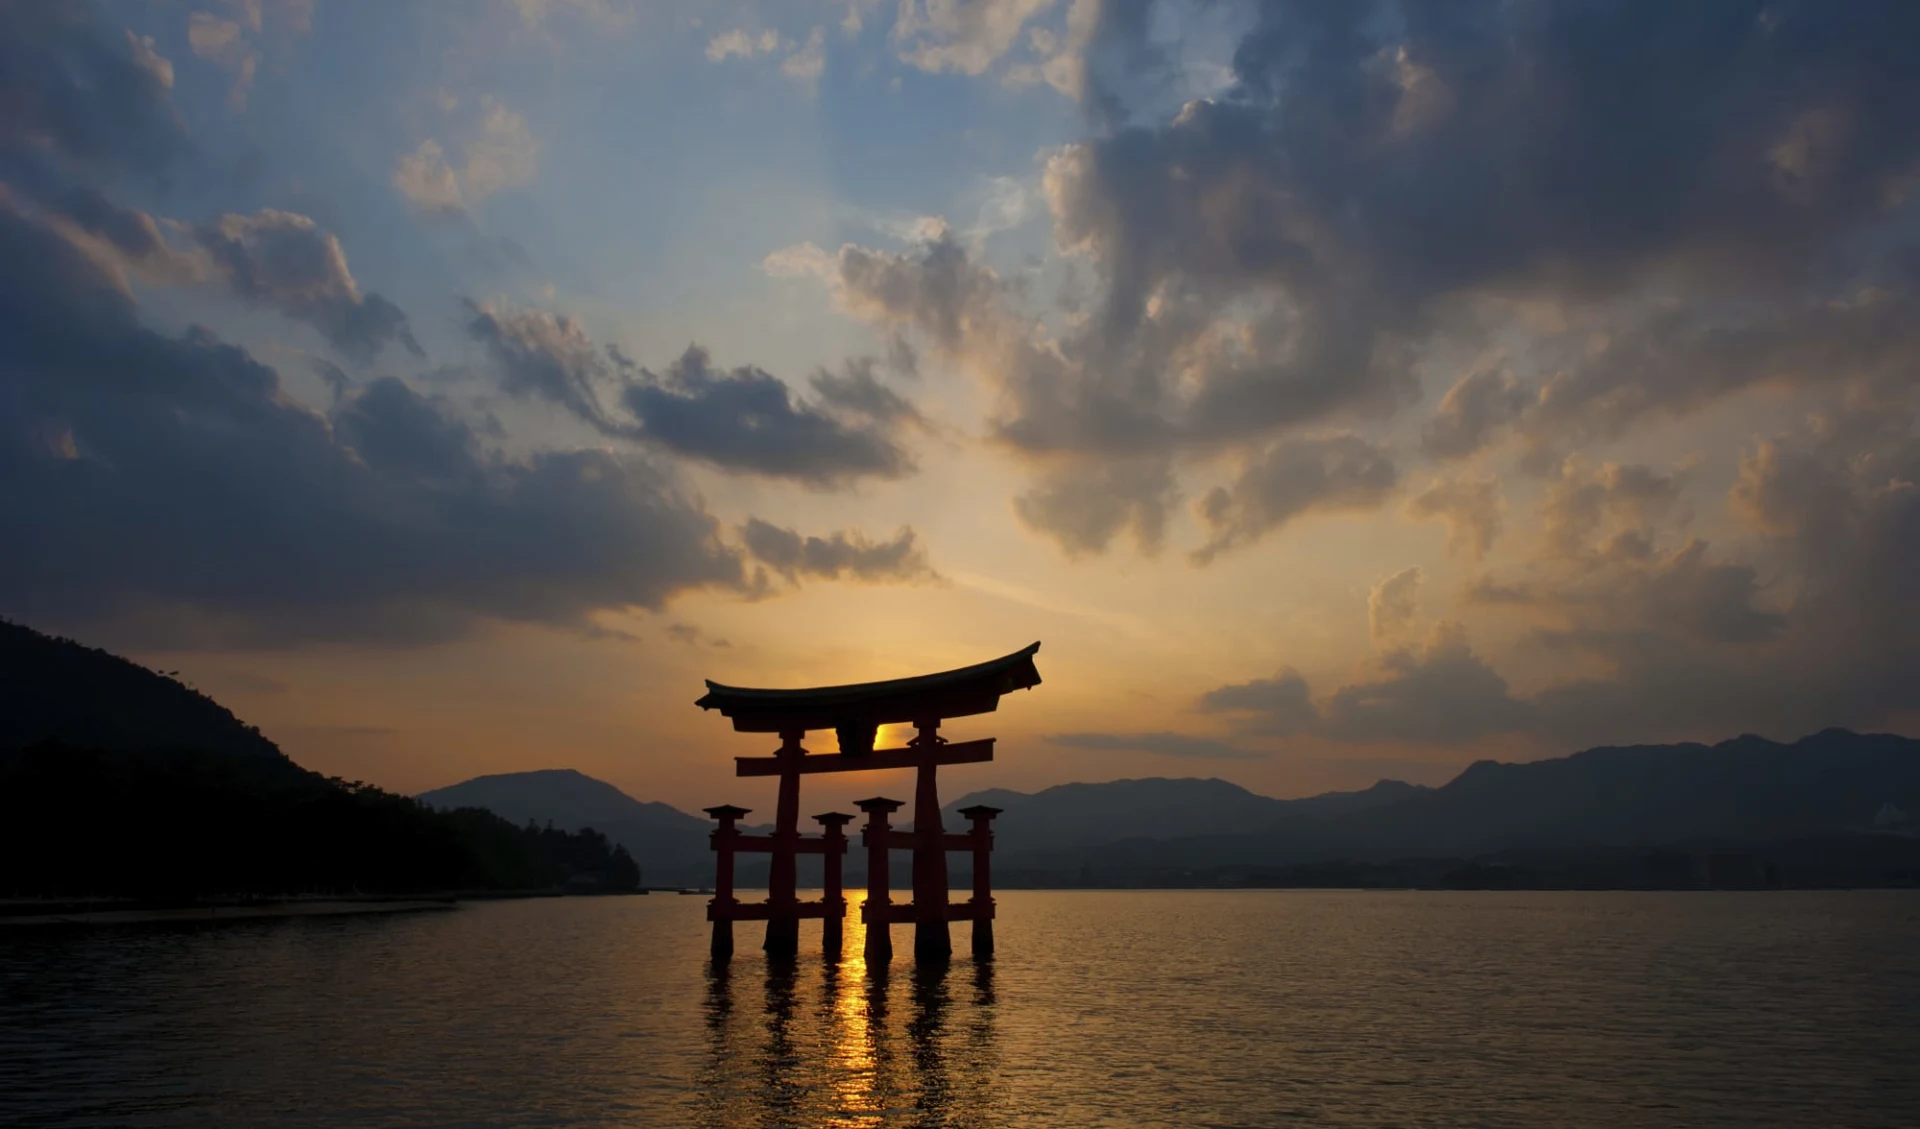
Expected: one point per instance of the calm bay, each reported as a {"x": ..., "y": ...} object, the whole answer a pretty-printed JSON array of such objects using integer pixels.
[{"x": 1174, "y": 1008}]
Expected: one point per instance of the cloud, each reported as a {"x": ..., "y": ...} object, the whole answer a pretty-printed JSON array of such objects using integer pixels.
[
  {"x": 693, "y": 635},
  {"x": 284, "y": 261},
  {"x": 1083, "y": 508},
  {"x": 424, "y": 177},
  {"x": 1292, "y": 478},
  {"x": 1439, "y": 693},
  {"x": 171, "y": 489},
  {"x": 95, "y": 98},
  {"x": 505, "y": 155},
  {"x": 1392, "y": 605},
  {"x": 807, "y": 62},
  {"x": 1618, "y": 503},
  {"x": 502, "y": 154},
  {"x": 744, "y": 420},
  {"x": 1472, "y": 412},
  {"x": 1442, "y": 693},
  {"x": 191, "y": 499},
  {"x": 1385, "y": 187},
  {"x": 1865, "y": 337},
  {"x": 963, "y": 36},
  {"x": 1097, "y": 439},
  {"x": 847, "y": 555},
  {"x": 856, "y": 391},
  {"x": 804, "y": 63},
  {"x": 223, "y": 42},
  {"x": 543, "y": 355},
  {"x": 1281, "y": 705},
  {"x": 739, "y": 43},
  {"x": 1162, "y": 744},
  {"x": 1471, "y": 509},
  {"x": 1602, "y": 584}
]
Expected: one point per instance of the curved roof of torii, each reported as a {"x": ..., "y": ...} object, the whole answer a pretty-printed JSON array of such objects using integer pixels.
[{"x": 950, "y": 693}]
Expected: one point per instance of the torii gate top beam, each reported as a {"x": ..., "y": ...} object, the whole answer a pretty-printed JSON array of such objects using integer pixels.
[{"x": 928, "y": 697}]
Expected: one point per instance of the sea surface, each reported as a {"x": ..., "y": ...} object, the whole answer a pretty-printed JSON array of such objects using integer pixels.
[{"x": 1243, "y": 1008}]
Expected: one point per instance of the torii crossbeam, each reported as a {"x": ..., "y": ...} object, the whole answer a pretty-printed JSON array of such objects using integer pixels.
[{"x": 856, "y": 712}]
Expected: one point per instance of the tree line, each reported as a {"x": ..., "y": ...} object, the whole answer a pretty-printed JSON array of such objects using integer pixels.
[{"x": 180, "y": 824}]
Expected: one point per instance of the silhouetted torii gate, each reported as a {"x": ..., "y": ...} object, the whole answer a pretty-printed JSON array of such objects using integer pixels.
[{"x": 855, "y": 713}]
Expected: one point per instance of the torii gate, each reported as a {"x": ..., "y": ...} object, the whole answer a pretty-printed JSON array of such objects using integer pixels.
[{"x": 856, "y": 712}]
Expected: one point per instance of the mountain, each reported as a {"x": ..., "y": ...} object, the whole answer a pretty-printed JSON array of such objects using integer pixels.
[
  {"x": 1070, "y": 816},
  {"x": 1744, "y": 788},
  {"x": 1835, "y": 803},
  {"x": 119, "y": 781},
  {"x": 563, "y": 795},
  {"x": 57, "y": 689},
  {"x": 670, "y": 845}
]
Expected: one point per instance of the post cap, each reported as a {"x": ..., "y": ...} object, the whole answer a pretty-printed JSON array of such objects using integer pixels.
[
  {"x": 833, "y": 819},
  {"x": 980, "y": 811},
  {"x": 726, "y": 811},
  {"x": 880, "y": 804}
]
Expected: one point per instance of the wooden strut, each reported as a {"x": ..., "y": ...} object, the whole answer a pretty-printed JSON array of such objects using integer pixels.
[{"x": 929, "y": 910}]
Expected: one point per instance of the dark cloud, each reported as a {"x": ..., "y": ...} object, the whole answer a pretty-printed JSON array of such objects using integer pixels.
[
  {"x": 98, "y": 97},
  {"x": 856, "y": 391},
  {"x": 1472, "y": 412},
  {"x": 747, "y": 420},
  {"x": 1441, "y": 693},
  {"x": 1084, "y": 507},
  {"x": 1670, "y": 640},
  {"x": 1392, "y": 605},
  {"x": 937, "y": 289},
  {"x": 1701, "y": 194},
  {"x": 1291, "y": 478},
  {"x": 693, "y": 635},
  {"x": 1865, "y": 337},
  {"x": 284, "y": 261},
  {"x": 1614, "y": 506},
  {"x": 744, "y": 420},
  {"x": 133, "y": 234},
  {"x": 1375, "y": 159},
  {"x": 1161, "y": 744},
  {"x": 399, "y": 433},
  {"x": 82, "y": 105},
  {"x": 169, "y": 485},
  {"x": 1281, "y": 705},
  {"x": 1471, "y": 509},
  {"x": 848, "y": 555},
  {"x": 545, "y": 356},
  {"x": 1602, "y": 583},
  {"x": 334, "y": 377}
]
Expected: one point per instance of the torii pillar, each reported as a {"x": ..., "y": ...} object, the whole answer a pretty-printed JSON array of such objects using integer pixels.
[
  {"x": 982, "y": 835},
  {"x": 930, "y": 938},
  {"x": 833, "y": 901}
]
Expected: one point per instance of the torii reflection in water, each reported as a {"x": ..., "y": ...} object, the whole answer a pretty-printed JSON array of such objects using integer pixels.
[{"x": 842, "y": 1043}]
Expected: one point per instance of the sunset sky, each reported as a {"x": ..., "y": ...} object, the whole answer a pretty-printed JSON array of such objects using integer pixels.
[{"x": 1336, "y": 390}]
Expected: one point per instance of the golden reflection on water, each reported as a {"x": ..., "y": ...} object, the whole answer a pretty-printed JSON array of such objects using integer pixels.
[{"x": 815, "y": 1041}]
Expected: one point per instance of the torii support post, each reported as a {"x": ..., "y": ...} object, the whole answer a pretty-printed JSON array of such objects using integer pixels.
[
  {"x": 931, "y": 940},
  {"x": 877, "y": 913},
  {"x": 720, "y": 909},
  {"x": 783, "y": 876},
  {"x": 833, "y": 901},
  {"x": 982, "y": 817}
]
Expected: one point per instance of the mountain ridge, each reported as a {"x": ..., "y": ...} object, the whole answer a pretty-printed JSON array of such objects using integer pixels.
[{"x": 57, "y": 689}]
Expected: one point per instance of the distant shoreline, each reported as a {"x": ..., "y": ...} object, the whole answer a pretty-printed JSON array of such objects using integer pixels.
[{"x": 126, "y": 911}]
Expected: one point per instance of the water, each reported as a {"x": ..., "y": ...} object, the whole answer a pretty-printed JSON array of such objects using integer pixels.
[{"x": 1196, "y": 1008}]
